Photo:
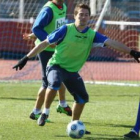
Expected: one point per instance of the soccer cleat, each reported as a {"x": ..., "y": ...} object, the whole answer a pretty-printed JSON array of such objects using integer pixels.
[
  {"x": 42, "y": 119},
  {"x": 131, "y": 135},
  {"x": 34, "y": 116},
  {"x": 87, "y": 132},
  {"x": 66, "y": 110}
]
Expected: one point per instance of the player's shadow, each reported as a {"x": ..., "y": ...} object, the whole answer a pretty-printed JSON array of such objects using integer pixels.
[
  {"x": 16, "y": 98},
  {"x": 110, "y": 125},
  {"x": 30, "y": 99},
  {"x": 118, "y": 125},
  {"x": 101, "y": 138},
  {"x": 96, "y": 137}
]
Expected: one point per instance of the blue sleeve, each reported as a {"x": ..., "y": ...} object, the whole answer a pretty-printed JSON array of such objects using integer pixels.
[
  {"x": 99, "y": 40},
  {"x": 58, "y": 35},
  {"x": 43, "y": 19}
]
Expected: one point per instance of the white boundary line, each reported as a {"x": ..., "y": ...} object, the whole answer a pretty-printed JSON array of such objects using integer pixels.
[
  {"x": 121, "y": 23},
  {"x": 112, "y": 83},
  {"x": 86, "y": 82}
]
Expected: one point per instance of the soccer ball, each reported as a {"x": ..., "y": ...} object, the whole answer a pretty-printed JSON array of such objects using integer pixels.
[{"x": 76, "y": 129}]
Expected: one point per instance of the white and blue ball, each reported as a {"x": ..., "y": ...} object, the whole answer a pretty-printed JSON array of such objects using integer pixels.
[{"x": 76, "y": 129}]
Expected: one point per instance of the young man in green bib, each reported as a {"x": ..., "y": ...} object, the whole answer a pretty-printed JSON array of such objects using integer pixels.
[
  {"x": 51, "y": 17},
  {"x": 74, "y": 43}
]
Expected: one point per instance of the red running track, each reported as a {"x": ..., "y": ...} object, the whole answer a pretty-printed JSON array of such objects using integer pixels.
[{"x": 91, "y": 71}]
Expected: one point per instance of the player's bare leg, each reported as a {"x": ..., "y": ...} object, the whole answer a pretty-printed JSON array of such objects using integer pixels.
[
  {"x": 77, "y": 111},
  {"x": 63, "y": 107},
  {"x": 49, "y": 97},
  {"x": 40, "y": 98},
  {"x": 38, "y": 104}
]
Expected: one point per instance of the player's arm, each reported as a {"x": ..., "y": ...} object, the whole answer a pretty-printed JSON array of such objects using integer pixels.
[
  {"x": 38, "y": 49},
  {"x": 117, "y": 46},
  {"x": 21, "y": 63},
  {"x": 101, "y": 41},
  {"x": 53, "y": 38},
  {"x": 43, "y": 19},
  {"x": 122, "y": 48}
]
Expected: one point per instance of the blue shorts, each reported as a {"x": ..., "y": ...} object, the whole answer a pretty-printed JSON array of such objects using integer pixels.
[
  {"x": 72, "y": 80},
  {"x": 44, "y": 57}
]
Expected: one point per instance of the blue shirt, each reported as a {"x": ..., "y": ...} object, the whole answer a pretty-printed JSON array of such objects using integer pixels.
[
  {"x": 58, "y": 35},
  {"x": 43, "y": 19}
]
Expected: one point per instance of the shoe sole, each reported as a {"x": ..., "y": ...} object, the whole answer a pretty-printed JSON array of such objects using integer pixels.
[
  {"x": 42, "y": 124},
  {"x": 130, "y": 138},
  {"x": 59, "y": 110}
]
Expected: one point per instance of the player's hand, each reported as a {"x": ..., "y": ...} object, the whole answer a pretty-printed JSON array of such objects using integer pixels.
[
  {"x": 52, "y": 45},
  {"x": 26, "y": 36},
  {"x": 29, "y": 36},
  {"x": 135, "y": 54},
  {"x": 21, "y": 63}
]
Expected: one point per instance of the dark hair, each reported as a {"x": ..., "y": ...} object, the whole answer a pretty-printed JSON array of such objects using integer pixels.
[{"x": 79, "y": 6}]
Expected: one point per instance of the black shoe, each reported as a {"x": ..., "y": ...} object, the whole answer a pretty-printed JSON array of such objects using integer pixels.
[
  {"x": 34, "y": 116},
  {"x": 42, "y": 119},
  {"x": 131, "y": 135},
  {"x": 87, "y": 132}
]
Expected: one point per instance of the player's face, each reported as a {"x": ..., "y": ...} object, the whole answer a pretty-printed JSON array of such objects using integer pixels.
[
  {"x": 58, "y": 2},
  {"x": 82, "y": 17}
]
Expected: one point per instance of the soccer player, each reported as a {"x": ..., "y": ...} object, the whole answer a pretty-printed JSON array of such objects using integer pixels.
[
  {"x": 51, "y": 17},
  {"x": 74, "y": 43},
  {"x": 134, "y": 133}
]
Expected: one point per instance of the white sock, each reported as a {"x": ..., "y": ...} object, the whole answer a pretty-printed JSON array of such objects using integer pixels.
[
  {"x": 46, "y": 111},
  {"x": 36, "y": 111},
  {"x": 63, "y": 103}
]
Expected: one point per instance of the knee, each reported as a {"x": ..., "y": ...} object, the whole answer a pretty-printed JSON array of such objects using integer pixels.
[
  {"x": 82, "y": 99},
  {"x": 86, "y": 98},
  {"x": 55, "y": 85}
]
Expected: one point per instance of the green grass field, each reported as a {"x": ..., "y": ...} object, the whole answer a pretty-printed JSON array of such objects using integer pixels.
[{"x": 110, "y": 113}]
